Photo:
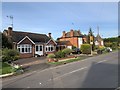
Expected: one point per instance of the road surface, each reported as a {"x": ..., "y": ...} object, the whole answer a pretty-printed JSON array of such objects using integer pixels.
[{"x": 94, "y": 72}]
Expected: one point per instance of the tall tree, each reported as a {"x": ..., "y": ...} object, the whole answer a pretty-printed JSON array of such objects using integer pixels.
[{"x": 5, "y": 42}]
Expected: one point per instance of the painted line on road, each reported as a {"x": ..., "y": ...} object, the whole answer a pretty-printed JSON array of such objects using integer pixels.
[
  {"x": 69, "y": 73},
  {"x": 101, "y": 61}
]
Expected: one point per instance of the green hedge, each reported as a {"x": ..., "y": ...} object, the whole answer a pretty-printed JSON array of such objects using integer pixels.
[
  {"x": 59, "y": 54},
  {"x": 51, "y": 56},
  {"x": 10, "y": 54},
  {"x": 66, "y": 51},
  {"x": 86, "y": 48}
]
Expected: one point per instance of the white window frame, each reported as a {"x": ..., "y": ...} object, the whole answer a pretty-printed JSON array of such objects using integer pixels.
[
  {"x": 25, "y": 46},
  {"x": 49, "y": 46},
  {"x": 39, "y": 48}
]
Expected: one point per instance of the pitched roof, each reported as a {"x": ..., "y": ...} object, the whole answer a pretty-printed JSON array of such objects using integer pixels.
[
  {"x": 75, "y": 34},
  {"x": 64, "y": 43},
  {"x": 17, "y": 36},
  {"x": 98, "y": 38}
]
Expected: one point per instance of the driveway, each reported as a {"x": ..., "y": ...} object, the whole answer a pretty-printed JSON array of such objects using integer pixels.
[{"x": 33, "y": 64}]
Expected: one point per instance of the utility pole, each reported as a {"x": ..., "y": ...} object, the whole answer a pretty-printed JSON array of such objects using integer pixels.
[{"x": 11, "y": 18}]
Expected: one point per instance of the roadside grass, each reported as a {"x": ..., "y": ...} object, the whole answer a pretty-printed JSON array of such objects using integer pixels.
[
  {"x": 5, "y": 68},
  {"x": 68, "y": 61}
]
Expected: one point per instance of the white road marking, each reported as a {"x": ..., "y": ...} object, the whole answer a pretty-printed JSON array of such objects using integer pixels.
[
  {"x": 69, "y": 73},
  {"x": 101, "y": 61}
]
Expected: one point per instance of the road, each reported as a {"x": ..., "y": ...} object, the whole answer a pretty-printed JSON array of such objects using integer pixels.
[{"x": 94, "y": 72}]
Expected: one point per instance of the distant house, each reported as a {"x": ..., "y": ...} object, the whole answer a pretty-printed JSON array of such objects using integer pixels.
[
  {"x": 72, "y": 38},
  {"x": 98, "y": 41},
  {"x": 31, "y": 44}
]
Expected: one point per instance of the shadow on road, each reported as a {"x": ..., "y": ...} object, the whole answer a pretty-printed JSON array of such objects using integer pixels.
[{"x": 101, "y": 75}]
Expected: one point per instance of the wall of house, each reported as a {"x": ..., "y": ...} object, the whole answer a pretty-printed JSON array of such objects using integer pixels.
[
  {"x": 51, "y": 43},
  {"x": 27, "y": 55},
  {"x": 73, "y": 40}
]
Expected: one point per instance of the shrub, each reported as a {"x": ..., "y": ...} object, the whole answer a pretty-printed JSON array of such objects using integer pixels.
[
  {"x": 114, "y": 45},
  {"x": 10, "y": 54},
  {"x": 66, "y": 51},
  {"x": 86, "y": 48},
  {"x": 59, "y": 54},
  {"x": 51, "y": 56}
]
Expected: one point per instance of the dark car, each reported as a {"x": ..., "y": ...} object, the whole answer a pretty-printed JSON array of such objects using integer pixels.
[{"x": 76, "y": 51}]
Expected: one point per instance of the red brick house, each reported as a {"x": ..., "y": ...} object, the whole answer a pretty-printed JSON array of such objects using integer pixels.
[
  {"x": 31, "y": 44},
  {"x": 74, "y": 38}
]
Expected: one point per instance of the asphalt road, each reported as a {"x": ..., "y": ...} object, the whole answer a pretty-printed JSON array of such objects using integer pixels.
[{"x": 94, "y": 72}]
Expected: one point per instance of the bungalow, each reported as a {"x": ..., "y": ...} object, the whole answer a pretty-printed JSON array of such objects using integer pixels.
[{"x": 31, "y": 44}]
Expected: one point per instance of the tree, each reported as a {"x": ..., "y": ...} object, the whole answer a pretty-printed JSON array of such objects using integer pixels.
[
  {"x": 91, "y": 38},
  {"x": 5, "y": 42}
]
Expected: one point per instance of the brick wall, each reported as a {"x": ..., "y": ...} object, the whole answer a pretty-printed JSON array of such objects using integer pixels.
[{"x": 73, "y": 40}]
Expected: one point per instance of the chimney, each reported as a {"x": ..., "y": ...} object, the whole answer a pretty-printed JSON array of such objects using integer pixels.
[
  {"x": 79, "y": 32},
  {"x": 10, "y": 31},
  {"x": 49, "y": 35},
  {"x": 64, "y": 34},
  {"x": 71, "y": 33}
]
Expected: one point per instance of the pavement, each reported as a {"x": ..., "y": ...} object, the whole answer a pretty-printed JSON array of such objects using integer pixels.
[{"x": 94, "y": 72}]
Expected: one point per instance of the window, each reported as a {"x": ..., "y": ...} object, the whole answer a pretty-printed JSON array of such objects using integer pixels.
[
  {"x": 39, "y": 48},
  {"x": 49, "y": 48},
  {"x": 25, "y": 48}
]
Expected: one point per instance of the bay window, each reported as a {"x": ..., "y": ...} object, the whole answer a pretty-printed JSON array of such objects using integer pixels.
[
  {"x": 49, "y": 48},
  {"x": 24, "y": 48}
]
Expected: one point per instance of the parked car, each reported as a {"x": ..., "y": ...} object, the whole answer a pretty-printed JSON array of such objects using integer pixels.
[
  {"x": 108, "y": 49},
  {"x": 76, "y": 51}
]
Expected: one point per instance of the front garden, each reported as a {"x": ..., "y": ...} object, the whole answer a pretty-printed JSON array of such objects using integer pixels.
[
  {"x": 7, "y": 65},
  {"x": 66, "y": 55}
]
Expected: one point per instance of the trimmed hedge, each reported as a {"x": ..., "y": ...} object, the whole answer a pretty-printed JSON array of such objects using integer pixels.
[{"x": 86, "y": 48}]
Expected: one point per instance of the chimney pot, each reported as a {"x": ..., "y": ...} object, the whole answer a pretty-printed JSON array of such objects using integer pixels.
[
  {"x": 71, "y": 33},
  {"x": 64, "y": 33},
  {"x": 10, "y": 31},
  {"x": 49, "y": 34}
]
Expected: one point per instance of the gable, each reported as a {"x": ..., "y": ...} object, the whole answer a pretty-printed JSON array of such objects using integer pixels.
[
  {"x": 51, "y": 42},
  {"x": 26, "y": 40}
]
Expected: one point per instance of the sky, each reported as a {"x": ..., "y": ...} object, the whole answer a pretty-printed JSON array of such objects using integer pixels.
[{"x": 56, "y": 17}]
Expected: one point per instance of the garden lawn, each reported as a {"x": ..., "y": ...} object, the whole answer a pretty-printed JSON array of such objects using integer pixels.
[
  {"x": 5, "y": 68},
  {"x": 67, "y": 61}
]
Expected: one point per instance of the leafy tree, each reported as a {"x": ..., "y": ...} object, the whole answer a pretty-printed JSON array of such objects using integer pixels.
[
  {"x": 91, "y": 38},
  {"x": 5, "y": 42}
]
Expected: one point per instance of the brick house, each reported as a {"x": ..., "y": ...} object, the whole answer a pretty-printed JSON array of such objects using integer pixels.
[
  {"x": 31, "y": 44},
  {"x": 76, "y": 38},
  {"x": 72, "y": 38}
]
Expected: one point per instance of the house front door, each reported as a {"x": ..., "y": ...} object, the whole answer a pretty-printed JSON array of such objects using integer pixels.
[{"x": 39, "y": 50}]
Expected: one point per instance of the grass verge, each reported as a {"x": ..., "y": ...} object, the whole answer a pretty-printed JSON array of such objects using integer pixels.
[{"x": 68, "y": 61}]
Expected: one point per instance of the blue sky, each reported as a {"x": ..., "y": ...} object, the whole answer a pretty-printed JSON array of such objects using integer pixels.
[{"x": 56, "y": 17}]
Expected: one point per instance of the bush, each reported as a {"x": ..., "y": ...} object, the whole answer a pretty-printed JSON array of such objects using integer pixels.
[
  {"x": 66, "y": 51},
  {"x": 59, "y": 54},
  {"x": 10, "y": 54},
  {"x": 51, "y": 56},
  {"x": 86, "y": 48}
]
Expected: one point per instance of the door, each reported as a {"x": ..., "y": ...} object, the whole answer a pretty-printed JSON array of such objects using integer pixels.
[{"x": 39, "y": 50}]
